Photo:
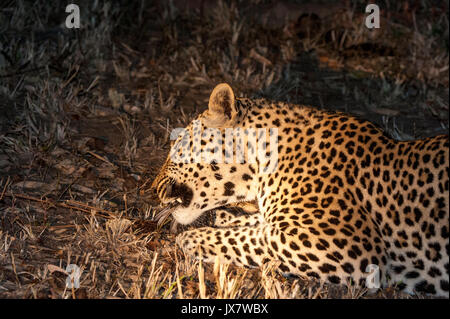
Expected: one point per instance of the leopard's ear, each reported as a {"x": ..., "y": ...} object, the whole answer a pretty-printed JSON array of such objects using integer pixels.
[{"x": 222, "y": 102}]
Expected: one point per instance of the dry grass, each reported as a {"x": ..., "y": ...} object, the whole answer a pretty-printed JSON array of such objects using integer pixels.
[{"x": 85, "y": 118}]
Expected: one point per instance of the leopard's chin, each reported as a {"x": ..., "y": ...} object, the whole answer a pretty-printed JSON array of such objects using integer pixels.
[{"x": 186, "y": 215}]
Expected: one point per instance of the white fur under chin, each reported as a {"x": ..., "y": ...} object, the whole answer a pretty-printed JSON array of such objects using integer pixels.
[{"x": 185, "y": 216}]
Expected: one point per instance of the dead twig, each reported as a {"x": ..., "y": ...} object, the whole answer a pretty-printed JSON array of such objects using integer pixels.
[{"x": 69, "y": 204}]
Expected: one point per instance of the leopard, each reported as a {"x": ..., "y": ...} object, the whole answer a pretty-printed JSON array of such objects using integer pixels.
[{"x": 336, "y": 196}]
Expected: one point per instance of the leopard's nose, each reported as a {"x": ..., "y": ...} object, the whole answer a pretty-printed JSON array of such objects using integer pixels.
[
  {"x": 154, "y": 185},
  {"x": 155, "y": 188},
  {"x": 152, "y": 189}
]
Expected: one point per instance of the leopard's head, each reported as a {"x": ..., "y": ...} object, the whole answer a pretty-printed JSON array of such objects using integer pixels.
[{"x": 204, "y": 169}]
